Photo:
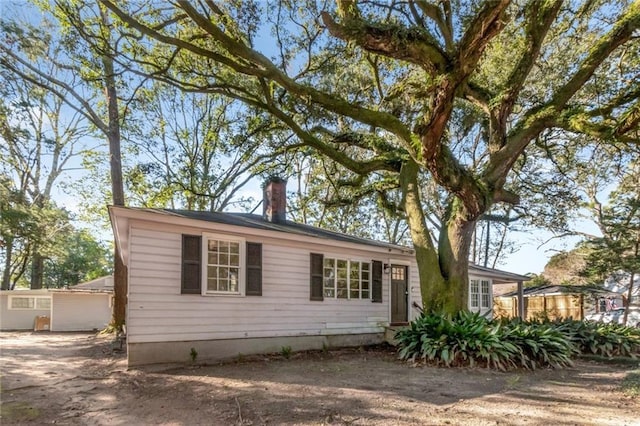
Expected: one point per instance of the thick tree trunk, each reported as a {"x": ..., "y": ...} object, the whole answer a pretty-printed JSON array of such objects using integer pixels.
[
  {"x": 37, "y": 268},
  {"x": 433, "y": 287},
  {"x": 631, "y": 283},
  {"x": 453, "y": 251},
  {"x": 444, "y": 272},
  {"x": 6, "y": 272},
  {"x": 119, "y": 312}
]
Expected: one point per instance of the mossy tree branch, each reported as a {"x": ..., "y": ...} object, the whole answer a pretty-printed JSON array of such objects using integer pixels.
[{"x": 539, "y": 118}]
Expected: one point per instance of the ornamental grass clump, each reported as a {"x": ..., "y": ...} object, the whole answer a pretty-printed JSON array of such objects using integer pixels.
[
  {"x": 603, "y": 339},
  {"x": 468, "y": 339},
  {"x": 539, "y": 344}
]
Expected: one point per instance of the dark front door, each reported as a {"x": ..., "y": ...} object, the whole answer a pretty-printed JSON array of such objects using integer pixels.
[{"x": 399, "y": 294}]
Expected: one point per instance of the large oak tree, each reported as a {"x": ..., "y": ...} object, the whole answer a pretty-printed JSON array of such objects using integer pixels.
[{"x": 378, "y": 86}]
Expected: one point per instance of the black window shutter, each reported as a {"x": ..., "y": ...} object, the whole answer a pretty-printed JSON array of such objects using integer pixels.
[
  {"x": 316, "y": 276},
  {"x": 254, "y": 269},
  {"x": 376, "y": 282},
  {"x": 191, "y": 258}
]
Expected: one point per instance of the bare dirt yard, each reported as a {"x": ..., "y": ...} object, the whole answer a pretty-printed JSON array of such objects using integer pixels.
[{"x": 77, "y": 379}]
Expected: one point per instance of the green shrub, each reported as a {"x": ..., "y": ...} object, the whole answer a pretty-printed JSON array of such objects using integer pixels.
[
  {"x": 285, "y": 351},
  {"x": 603, "y": 339},
  {"x": 468, "y": 339},
  {"x": 465, "y": 339},
  {"x": 539, "y": 343}
]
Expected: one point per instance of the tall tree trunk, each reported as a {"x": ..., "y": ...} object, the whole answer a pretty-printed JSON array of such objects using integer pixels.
[
  {"x": 631, "y": 283},
  {"x": 432, "y": 285},
  {"x": 6, "y": 272},
  {"x": 37, "y": 270},
  {"x": 119, "y": 312},
  {"x": 453, "y": 249},
  {"x": 117, "y": 187}
]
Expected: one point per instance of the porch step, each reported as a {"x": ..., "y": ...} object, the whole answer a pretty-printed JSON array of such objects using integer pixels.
[{"x": 390, "y": 333}]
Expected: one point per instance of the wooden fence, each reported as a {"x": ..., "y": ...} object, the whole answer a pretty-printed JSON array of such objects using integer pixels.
[{"x": 553, "y": 307}]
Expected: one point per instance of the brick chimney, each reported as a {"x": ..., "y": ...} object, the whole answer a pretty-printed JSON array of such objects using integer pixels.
[{"x": 274, "y": 202}]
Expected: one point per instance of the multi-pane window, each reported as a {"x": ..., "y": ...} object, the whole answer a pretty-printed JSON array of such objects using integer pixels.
[
  {"x": 223, "y": 266},
  {"x": 26, "y": 302},
  {"x": 474, "y": 294},
  {"x": 346, "y": 279},
  {"x": 22, "y": 303},
  {"x": 484, "y": 293},
  {"x": 479, "y": 294},
  {"x": 397, "y": 273}
]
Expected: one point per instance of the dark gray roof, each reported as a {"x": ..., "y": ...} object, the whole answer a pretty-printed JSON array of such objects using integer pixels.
[{"x": 255, "y": 221}]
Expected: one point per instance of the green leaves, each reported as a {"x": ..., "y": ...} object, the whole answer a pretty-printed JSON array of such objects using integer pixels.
[
  {"x": 82, "y": 258},
  {"x": 617, "y": 252},
  {"x": 24, "y": 227},
  {"x": 468, "y": 339},
  {"x": 603, "y": 339}
]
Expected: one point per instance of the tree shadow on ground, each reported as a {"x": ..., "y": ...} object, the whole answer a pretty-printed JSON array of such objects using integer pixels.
[{"x": 358, "y": 386}]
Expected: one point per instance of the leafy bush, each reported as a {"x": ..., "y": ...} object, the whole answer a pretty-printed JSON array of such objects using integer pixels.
[
  {"x": 465, "y": 339},
  {"x": 539, "y": 344},
  {"x": 602, "y": 339},
  {"x": 468, "y": 339}
]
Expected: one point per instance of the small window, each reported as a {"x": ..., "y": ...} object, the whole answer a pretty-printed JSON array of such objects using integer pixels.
[
  {"x": 29, "y": 302},
  {"x": 397, "y": 273},
  {"x": 485, "y": 294},
  {"x": 43, "y": 303},
  {"x": 479, "y": 294},
  {"x": 224, "y": 265},
  {"x": 474, "y": 294},
  {"x": 22, "y": 303}
]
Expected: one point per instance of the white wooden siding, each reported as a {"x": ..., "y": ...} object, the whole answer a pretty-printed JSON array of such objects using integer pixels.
[
  {"x": 415, "y": 294},
  {"x": 157, "y": 311}
]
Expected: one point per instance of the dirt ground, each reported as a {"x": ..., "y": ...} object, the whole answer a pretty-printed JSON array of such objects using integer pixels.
[{"x": 60, "y": 378}]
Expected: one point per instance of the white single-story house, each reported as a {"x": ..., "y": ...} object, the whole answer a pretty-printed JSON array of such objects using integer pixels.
[
  {"x": 83, "y": 307},
  {"x": 19, "y": 308},
  {"x": 224, "y": 284}
]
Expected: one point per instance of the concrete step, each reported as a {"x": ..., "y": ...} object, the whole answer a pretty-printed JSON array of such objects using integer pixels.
[{"x": 390, "y": 333}]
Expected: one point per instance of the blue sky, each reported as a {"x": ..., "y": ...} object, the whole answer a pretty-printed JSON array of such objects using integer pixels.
[{"x": 530, "y": 256}]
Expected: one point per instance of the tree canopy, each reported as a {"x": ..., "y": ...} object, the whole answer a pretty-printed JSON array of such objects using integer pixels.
[
  {"x": 439, "y": 114},
  {"x": 382, "y": 88}
]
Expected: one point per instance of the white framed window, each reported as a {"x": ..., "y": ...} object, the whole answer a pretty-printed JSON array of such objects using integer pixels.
[
  {"x": 224, "y": 265},
  {"x": 29, "y": 302},
  {"x": 485, "y": 294},
  {"x": 474, "y": 294},
  {"x": 397, "y": 273},
  {"x": 479, "y": 293},
  {"x": 346, "y": 279}
]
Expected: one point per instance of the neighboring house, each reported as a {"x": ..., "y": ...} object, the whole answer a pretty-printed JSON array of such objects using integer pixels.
[
  {"x": 618, "y": 285},
  {"x": 483, "y": 283},
  {"x": 83, "y": 307},
  {"x": 19, "y": 308},
  {"x": 224, "y": 284}
]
